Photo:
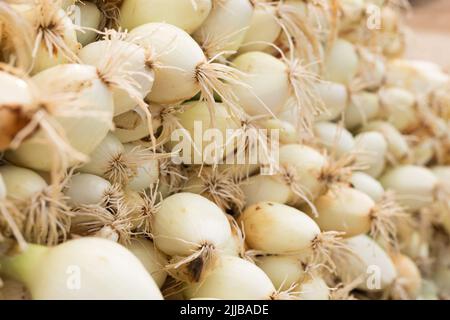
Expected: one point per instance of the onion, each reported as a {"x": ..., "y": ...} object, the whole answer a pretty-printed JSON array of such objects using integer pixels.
[
  {"x": 44, "y": 215},
  {"x": 274, "y": 228},
  {"x": 122, "y": 65},
  {"x": 151, "y": 259},
  {"x": 263, "y": 31},
  {"x": 341, "y": 63},
  {"x": 352, "y": 212},
  {"x": 133, "y": 126},
  {"x": 15, "y": 36},
  {"x": 283, "y": 271},
  {"x": 365, "y": 183},
  {"x": 372, "y": 265},
  {"x": 184, "y": 14},
  {"x": 273, "y": 86},
  {"x": 364, "y": 106},
  {"x": 90, "y": 18},
  {"x": 409, "y": 281},
  {"x": 86, "y": 189},
  {"x": 314, "y": 288},
  {"x": 191, "y": 229},
  {"x": 65, "y": 272},
  {"x": 266, "y": 188},
  {"x": 233, "y": 278},
  {"x": 334, "y": 96},
  {"x": 398, "y": 108},
  {"x": 398, "y": 148},
  {"x": 54, "y": 35},
  {"x": 16, "y": 100},
  {"x": 352, "y": 13},
  {"x": 127, "y": 165},
  {"x": 337, "y": 140},
  {"x": 76, "y": 115},
  {"x": 225, "y": 28},
  {"x": 412, "y": 193},
  {"x": 287, "y": 132},
  {"x": 372, "y": 147}
]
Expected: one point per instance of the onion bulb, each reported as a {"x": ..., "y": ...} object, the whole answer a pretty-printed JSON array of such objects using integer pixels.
[
  {"x": 341, "y": 63},
  {"x": 365, "y": 183},
  {"x": 45, "y": 216},
  {"x": 416, "y": 186},
  {"x": 371, "y": 264},
  {"x": 372, "y": 150},
  {"x": 225, "y": 27},
  {"x": 75, "y": 116},
  {"x": 153, "y": 261},
  {"x": 184, "y": 14},
  {"x": 121, "y": 65},
  {"x": 284, "y": 271},
  {"x": 337, "y": 140},
  {"x": 313, "y": 288},
  {"x": 363, "y": 106},
  {"x": 133, "y": 125},
  {"x": 409, "y": 281},
  {"x": 65, "y": 272},
  {"x": 334, "y": 97},
  {"x": 274, "y": 228},
  {"x": 90, "y": 18},
  {"x": 398, "y": 108},
  {"x": 191, "y": 229}
]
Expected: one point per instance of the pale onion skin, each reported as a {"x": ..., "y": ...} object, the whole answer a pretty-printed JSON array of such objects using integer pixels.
[
  {"x": 132, "y": 126},
  {"x": 227, "y": 23},
  {"x": 442, "y": 173},
  {"x": 277, "y": 228},
  {"x": 15, "y": 94},
  {"x": 398, "y": 108},
  {"x": 374, "y": 147},
  {"x": 100, "y": 158},
  {"x": 287, "y": 132},
  {"x": 353, "y": 13},
  {"x": 414, "y": 185},
  {"x": 133, "y": 63},
  {"x": 308, "y": 164},
  {"x": 344, "y": 209},
  {"x": 441, "y": 276},
  {"x": 86, "y": 189},
  {"x": 263, "y": 28},
  {"x": 192, "y": 218},
  {"x": 197, "y": 111},
  {"x": 363, "y": 107},
  {"x": 180, "y": 55},
  {"x": 314, "y": 288},
  {"x": 368, "y": 254},
  {"x": 180, "y": 13},
  {"x": 3, "y": 191},
  {"x": 21, "y": 183},
  {"x": 44, "y": 59},
  {"x": 408, "y": 276},
  {"x": 268, "y": 80},
  {"x": 67, "y": 3},
  {"x": 365, "y": 183},
  {"x": 147, "y": 173},
  {"x": 117, "y": 274},
  {"x": 84, "y": 133},
  {"x": 397, "y": 144},
  {"x": 334, "y": 138},
  {"x": 233, "y": 279},
  {"x": 283, "y": 271},
  {"x": 266, "y": 188},
  {"x": 90, "y": 17},
  {"x": 152, "y": 260},
  {"x": 341, "y": 63},
  {"x": 415, "y": 76},
  {"x": 334, "y": 97}
]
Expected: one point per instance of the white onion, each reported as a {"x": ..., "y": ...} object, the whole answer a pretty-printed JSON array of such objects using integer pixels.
[
  {"x": 334, "y": 96},
  {"x": 21, "y": 183},
  {"x": 314, "y": 288},
  {"x": 341, "y": 63},
  {"x": 235, "y": 279},
  {"x": 409, "y": 280},
  {"x": 363, "y": 107},
  {"x": 190, "y": 228},
  {"x": 133, "y": 126},
  {"x": 146, "y": 175},
  {"x": 153, "y": 261},
  {"x": 371, "y": 263},
  {"x": 337, "y": 140},
  {"x": 66, "y": 272},
  {"x": 372, "y": 147},
  {"x": 266, "y": 188},
  {"x": 79, "y": 104},
  {"x": 86, "y": 189},
  {"x": 398, "y": 108},
  {"x": 287, "y": 132},
  {"x": 90, "y": 18},
  {"x": 363, "y": 182},
  {"x": 283, "y": 271},
  {"x": 184, "y": 14},
  {"x": 123, "y": 66},
  {"x": 415, "y": 186},
  {"x": 225, "y": 27}
]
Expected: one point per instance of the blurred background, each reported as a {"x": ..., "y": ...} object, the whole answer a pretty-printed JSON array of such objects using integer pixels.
[{"x": 429, "y": 34}]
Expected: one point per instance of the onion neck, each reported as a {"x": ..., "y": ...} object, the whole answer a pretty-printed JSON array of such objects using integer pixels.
[{"x": 22, "y": 266}]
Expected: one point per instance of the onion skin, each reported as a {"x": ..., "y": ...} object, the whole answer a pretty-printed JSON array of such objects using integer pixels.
[{"x": 117, "y": 274}]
